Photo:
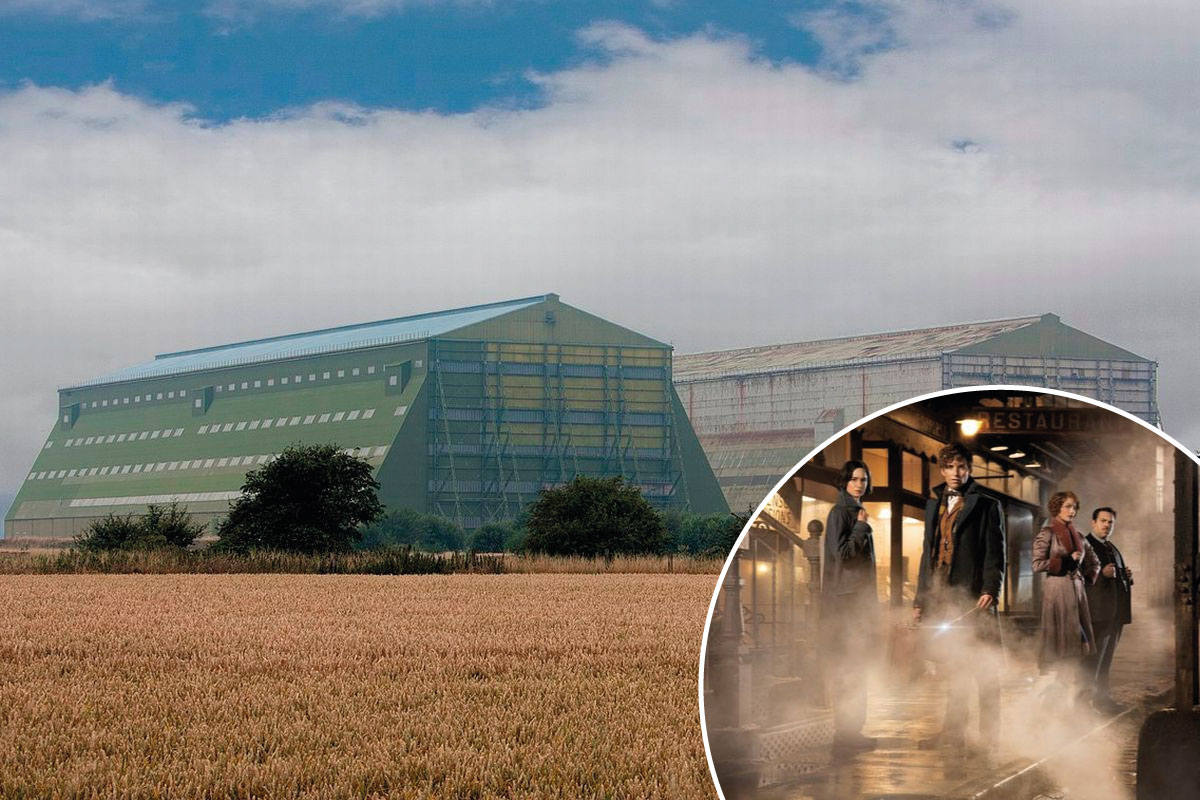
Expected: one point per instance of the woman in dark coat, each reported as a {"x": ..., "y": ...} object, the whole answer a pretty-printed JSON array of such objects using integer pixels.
[
  {"x": 849, "y": 605},
  {"x": 1065, "y": 556}
]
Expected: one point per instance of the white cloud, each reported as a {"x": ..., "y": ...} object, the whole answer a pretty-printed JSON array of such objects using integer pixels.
[
  {"x": 82, "y": 9},
  {"x": 688, "y": 189}
]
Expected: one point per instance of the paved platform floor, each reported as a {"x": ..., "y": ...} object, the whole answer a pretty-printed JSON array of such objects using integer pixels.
[{"x": 1072, "y": 752}]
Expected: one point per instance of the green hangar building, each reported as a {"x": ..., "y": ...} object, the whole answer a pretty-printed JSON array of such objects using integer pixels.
[{"x": 466, "y": 413}]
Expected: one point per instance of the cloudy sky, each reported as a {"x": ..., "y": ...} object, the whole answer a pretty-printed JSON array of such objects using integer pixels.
[{"x": 708, "y": 174}]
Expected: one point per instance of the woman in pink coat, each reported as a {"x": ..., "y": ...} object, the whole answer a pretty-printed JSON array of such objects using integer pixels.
[{"x": 1065, "y": 556}]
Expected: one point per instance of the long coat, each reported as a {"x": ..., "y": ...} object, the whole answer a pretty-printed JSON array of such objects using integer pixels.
[
  {"x": 1108, "y": 598},
  {"x": 849, "y": 599},
  {"x": 977, "y": 563},
  {"x": 1066, "y": 623}
]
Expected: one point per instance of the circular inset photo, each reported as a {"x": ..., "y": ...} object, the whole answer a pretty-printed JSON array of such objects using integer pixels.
[{"x": 968, "y": 589}]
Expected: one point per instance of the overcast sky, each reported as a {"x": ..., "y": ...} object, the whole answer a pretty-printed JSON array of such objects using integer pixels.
[{"x": 174, "y": 179}]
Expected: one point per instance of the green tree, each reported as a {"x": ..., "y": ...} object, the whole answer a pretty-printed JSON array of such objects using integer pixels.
[
  {"x": 491, "y": 538},
  {"x": 406, "y": 527},
  {"x": 309, "y": 499},
  {"x": 594, "y": 517},
  {"x": 161, "y": 526},
  {"x": 708, "y": 535}
]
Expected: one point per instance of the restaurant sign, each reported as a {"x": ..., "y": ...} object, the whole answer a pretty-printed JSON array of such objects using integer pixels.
[{"x": 1031, "y": 421}]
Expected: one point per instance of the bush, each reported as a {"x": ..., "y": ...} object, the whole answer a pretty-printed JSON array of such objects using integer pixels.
[
  {"x": 703, "y": 535},
  {"x": 309, "y": 499},
  {"x": 491, "y": 538},
  {"x": 406, "y": 527},
  {"x": 161, "y": 526},
  {"x": 594, "y": 517}
]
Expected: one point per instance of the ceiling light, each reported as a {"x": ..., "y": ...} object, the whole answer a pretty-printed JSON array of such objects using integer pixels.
[
  {"x": 1017, "y": 454},
  {"x": 969, "y": 427},
  {"x": 1000, "y": 448}
]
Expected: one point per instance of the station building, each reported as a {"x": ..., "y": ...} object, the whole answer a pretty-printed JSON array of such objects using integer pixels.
[{"x": 467, "y": 413}]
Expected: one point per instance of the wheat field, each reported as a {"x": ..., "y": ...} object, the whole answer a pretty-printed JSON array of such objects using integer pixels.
[{"x": 457, "y": 686}]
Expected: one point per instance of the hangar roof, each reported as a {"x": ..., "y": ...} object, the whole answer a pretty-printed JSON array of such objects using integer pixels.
[
  {"x": 347, "y": 337},
  {"x": 1042, "y": 335}
]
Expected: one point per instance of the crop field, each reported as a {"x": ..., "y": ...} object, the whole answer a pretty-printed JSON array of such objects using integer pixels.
[{"x": 457, "y": 686}]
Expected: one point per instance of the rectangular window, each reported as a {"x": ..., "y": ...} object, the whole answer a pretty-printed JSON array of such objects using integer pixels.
[
  {"x": 353, "y": 415},
  {"x": 222, "y": 462},
  {"x": 270, "y": 381},
  {"x": 393, "y": 380},
  {"x": 125, "y": 401},
  {"x": 341, "y": 373},
  {"x": 103, "y": 471},
  {"x": 245, "y": 385},
  {"x": 258, "y": 384},
  {"x": 400, "y": 411},
  {"x": 241, "y": 426},
  {"x": 253, "y": 425},
  {"x": 109, "y": 439},
  {"x": 89, "y": 440},
  {"x": 179, "y": 431},
  {"x": 370, "y": 412},
  {"x": 298, "y": 379},
  {"x": 202, "y": 430},
  {"x": 324, "y": 418},
  {"x": 171, "y": 395},
  {"x": 183, "y": 392},
  {"x": 154, "y": 434},
  {"x": 143, "y": 435},
  {"x": 207, "y": 463},
  {"x": 283, "y": 380},
  {"x": 227, "y": 427},
  {"x": 125, "y": 469},
  {"x": 48, "y": 445},
  {"x": 371, "y": 370},
  {"x": 295, "y": 421},
  {"x": 120, "y": 437},
  {"x": 158, "y": 396},
  {"x": 417, "y": 363},
  {"x": 71, "y": 473},
  {"x": 198, "y": 403},
  {"x": 220, "y": 388},
  {"x": 324, "y": 376},
  {"x": 137, "y": 467},
  {"x": 354, "y": 372},
  {"x": 266, "y": 423},
  {"x": 147, "y": 398},
  {"x": 68, "y": 442},
  {"x": 137, "y": 398},
  {"x": 231, "y": 387},
  {"x": 279, "y": 423},
  {"x": 339, "y": 416},
  {"x": 309, "y": 419}
]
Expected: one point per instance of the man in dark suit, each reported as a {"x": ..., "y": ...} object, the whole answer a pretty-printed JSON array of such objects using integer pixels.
[
  {"x": 1108, "y": 601},
  {"x": 962, "y": 570}
]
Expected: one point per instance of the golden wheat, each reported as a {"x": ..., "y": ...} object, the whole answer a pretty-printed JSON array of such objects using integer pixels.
[{"x": 459, "y": 686}]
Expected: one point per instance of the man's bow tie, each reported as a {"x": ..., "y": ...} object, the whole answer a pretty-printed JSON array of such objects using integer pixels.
[{"x": 953, "y": 493}]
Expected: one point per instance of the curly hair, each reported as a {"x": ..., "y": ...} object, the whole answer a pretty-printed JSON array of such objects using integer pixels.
[
  {"x": 1057, "y": 499},
  {"x": 953, "y": 452}
]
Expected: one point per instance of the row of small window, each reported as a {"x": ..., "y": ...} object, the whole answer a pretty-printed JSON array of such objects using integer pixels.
[
  {"x": 286, "y": 379},
  {"x": 137, "y": 398},
  {"x": 146, "y": 499},
  {"x": 231, "y": 387},
  {"x": 206, "y": 463},
  {"x": 120, "y": 437},
  {"x": 255, "y": 424}
]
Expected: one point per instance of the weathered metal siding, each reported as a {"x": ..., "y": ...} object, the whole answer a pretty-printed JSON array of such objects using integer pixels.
[
  {"x": 1131, "y": 385},
  {"x": 754, "y": 428}
]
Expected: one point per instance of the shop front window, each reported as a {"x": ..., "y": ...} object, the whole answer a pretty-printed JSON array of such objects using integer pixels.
[{"x": 876, "y": 460}]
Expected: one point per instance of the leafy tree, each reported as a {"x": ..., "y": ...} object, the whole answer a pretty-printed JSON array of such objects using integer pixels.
[
  {"x": 406, "y": 527},
  {"x": 161, "y": 526},
  {"x": 594, "y": 517},
  {"x": 310, "y": 499},
  {"x": 491, "y": 538},
  {"x": 708, "y": 535}
]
